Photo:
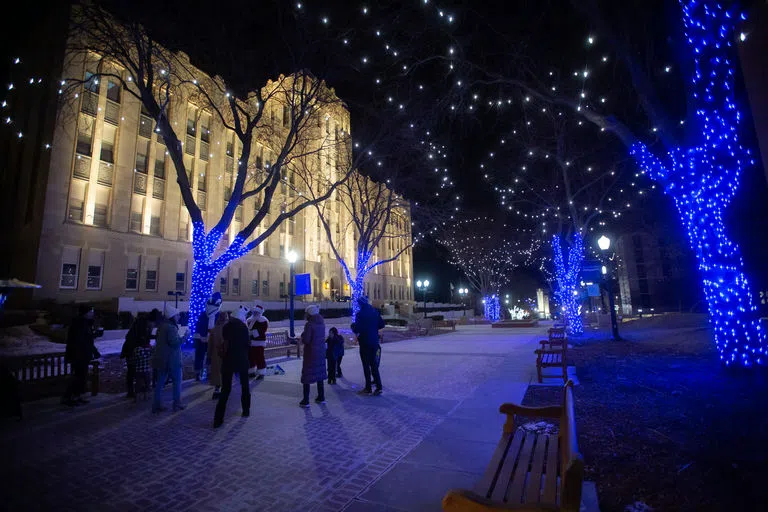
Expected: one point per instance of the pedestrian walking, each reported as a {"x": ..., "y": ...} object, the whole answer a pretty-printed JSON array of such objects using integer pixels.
[
  {"x": 333, "y": 354},
  {"x": 167, "y": 359},
  {"x": 215, "y": 347},
  {"x": 142, "y": 360},
  {"x": 203, "y": 325},
  {"x": 137, "y": 335},
  {"x": 258, "y": 325},
  {"x": 79, "y": 353},
  {"x": 313, "y": 365},
  {"x": 367, "y": 324},
  {"x": 234, "y": 361}
]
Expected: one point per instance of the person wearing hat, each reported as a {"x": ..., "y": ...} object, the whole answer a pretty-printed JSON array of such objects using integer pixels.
[
  {"x": 203, "y": 327},
  {"x": 313, "y": 365},
  {"x": 258, "y": 325},
  {"x": 234, "y": 361},
  {"x": 367, "y": 324},
  {"x": 167, "y": 360}
]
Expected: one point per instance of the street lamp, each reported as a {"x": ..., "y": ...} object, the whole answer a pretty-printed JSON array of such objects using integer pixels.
[
  {"x": 604, "y": 243},
  {"x": 423, "y": 285},
  {"x": 291, "y": 257},
  {"x": 462, "y": 293}
]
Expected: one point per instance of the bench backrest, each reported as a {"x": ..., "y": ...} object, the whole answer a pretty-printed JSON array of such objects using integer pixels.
[
  {"x": 572, "y": 463},
  {"x": 38, "y": 366},
  {"x": 277, "y": 339},
  {"x": 556, "y": 334},
  {"x": 424, "y": 323}
]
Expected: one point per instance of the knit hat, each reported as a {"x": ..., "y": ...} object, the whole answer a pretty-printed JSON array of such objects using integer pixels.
[
  {"x": 258, "y": 309},
  {"x": 171, "y": 311},
  {"x": 240, "y": 313},
  {"x": 312, "y": 310}
]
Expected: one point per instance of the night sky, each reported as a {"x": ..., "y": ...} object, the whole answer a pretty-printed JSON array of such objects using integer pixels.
[{"x": 360, "y": 48}]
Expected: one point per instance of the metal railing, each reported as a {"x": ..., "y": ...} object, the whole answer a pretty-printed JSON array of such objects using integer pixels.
[
  {"x": 82, "y": 167},
  {"x": 112, "y": 113},
  {"x": 158, "y": 188},
  {"x": 105, "y": 174}
]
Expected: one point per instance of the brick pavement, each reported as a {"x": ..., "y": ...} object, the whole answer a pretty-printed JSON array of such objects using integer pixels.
[{"x": 114, "y": 455}]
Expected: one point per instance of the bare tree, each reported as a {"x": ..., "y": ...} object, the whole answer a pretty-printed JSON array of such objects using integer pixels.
[{"x": 165, "y": 82}]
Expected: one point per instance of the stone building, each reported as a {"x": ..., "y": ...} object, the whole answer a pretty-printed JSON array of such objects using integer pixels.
[{"x": 113, "y": 223}]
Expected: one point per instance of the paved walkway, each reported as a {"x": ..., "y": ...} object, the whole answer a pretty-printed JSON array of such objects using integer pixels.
[{"x": 434, "y": 428}]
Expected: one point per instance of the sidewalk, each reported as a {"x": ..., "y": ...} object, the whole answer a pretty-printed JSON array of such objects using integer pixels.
[{"x": 434, "y": 428}]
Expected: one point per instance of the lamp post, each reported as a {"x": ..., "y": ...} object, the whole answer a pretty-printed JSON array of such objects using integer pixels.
[
  {"x": 462, "y": 293},
  {"x": 176, "y": 294},
  {"x": 423, "y": 285},
  {"x": 604, "y": 243},
  {"x": 291, "y": 257}
]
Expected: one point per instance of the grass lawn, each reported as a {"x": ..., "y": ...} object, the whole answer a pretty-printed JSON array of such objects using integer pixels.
[{"x": 663, "y": 423}]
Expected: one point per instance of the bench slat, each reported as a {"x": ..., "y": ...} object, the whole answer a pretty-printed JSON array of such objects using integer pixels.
[
  {"x": 500, "y": 489},
  {"x": 485, "y": 485},
  {"x": 550, "y": 478},
  {"x": 515, "y": 493},
  {"x": 533, "y": 489}
]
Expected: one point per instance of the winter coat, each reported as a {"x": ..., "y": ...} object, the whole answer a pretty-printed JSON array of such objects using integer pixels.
[
  {"x": 313, "y": 365},
  {"x": 215, "y": 350},
  {"x": 335, "y": 348},
  {"x": 80, "y": 348},
  {"x": 237, "y": 342},
  {"x": 168, "y": 347},
  {"x": 134, "y": 339},
  {"x": 367, "y": 324},
  {"x": 258, "y": 328}
]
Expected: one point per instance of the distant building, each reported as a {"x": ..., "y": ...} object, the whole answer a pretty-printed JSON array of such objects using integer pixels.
[{"x": 107, "y": 215}]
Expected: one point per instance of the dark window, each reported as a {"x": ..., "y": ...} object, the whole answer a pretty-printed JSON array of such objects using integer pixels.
[
  {"x": 68, "y": 275},
  {"x": 113, "y": 91},
  {"x": 131, "y": 279},
  {"x": 191, "y": 126},
  {"x": 181, "y": 281},
  {"x": 92, "y": 83},
  {"x": 136, "y": 220},
  {"x": 108, "y": 152},
  {"x": 94, "y": 278},
  {"x": 235, "y": 286},
  {"x": 282, "y": 289},
  {"x": 154, "y": 226},
  {"x": 76, "y": 210},
  {"x": 224, "y": 285},
  {"x": 100, "y": 215},
  {"x": 286, "y": 116},
  {"x": 265, "y": 288},
  {"x": 151, "y": 281}
]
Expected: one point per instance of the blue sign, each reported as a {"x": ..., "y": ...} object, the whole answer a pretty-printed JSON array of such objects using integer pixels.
[
  {"x": 303, "y": 284},
  {"x": 591, "y": 271}
]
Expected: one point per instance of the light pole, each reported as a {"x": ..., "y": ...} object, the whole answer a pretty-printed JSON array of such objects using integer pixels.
[
  {"x": 462, "y": 293},
  {"x": 291, "y": 257},
  {"x": 604, "y": 243},
  {"x": 423, "y": 285}
]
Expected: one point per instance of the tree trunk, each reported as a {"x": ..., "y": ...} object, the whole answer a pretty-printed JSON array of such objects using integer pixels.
[
  {"x": 733, "y": 317},
  {"x": 357, "y": 290},
  {"x": 491, "y": 308},
  {"x": 567, "y": 277},
  {"x": 203, "y": 279}
]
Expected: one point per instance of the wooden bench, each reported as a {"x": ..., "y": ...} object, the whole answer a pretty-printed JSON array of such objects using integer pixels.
[
  {"x": 40, "y": 367},
  {"x": 281, "y": 340},
  {"x": 553, "y": 353},
  {"x": 444, "y": 324},
  {"x": 529, "y": 471},
  {"x": 423, "y": 325}
]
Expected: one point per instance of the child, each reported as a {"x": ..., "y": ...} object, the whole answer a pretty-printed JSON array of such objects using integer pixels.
[
  {"x": 333, "y": 354},
  {"x": 142, "y": 357}
]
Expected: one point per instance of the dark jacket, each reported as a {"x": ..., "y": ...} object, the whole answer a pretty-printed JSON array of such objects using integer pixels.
[
  {"x": 168, "y": 347},
  {"x": 80, "y": 348},
  {"x": 335, "y": 348},
  {"x": 313, "y": 365},
  {"x": 237, "y": 341},
  {"x": 135, "y": 338},
  {"x": 367, "y": 324}
]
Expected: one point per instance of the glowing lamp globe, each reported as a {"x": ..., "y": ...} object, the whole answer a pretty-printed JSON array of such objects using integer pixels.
[
  {"x": 604, "y": 243},
  {"x": 292, "y": 256}
]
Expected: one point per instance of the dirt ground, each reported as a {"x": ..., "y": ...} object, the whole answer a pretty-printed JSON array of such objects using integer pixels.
[{"x": 663, "y": 424}]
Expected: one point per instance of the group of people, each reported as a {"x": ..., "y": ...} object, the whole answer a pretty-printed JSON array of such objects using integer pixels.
[{"x": 229, "y": 344}]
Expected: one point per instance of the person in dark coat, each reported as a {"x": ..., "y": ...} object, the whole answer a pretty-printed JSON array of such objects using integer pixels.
[
  {"x": 237, "y": 341},
  {"x": 203, "y": 326},
  {"x": 167, "y": 359},
  {"x": 313, "y": 364},
  {"x": 334, "y": 353},
  {"x": 368, "y": 321},
  {"x": 79, "y": 353},
  {"x": 138, "y": 336}
]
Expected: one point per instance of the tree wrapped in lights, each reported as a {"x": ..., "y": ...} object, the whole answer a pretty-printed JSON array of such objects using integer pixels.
[
  {"x": 487, "y": 252},
  {"x": 287, "y": 117}
]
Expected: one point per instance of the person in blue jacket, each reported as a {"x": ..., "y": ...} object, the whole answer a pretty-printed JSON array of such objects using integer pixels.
[{"x": 367, "y": 324}]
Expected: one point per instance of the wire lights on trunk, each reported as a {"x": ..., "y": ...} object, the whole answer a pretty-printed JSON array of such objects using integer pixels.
[
  {"x": 566, "y": 279},
  {"x": 703, "y": 179}
]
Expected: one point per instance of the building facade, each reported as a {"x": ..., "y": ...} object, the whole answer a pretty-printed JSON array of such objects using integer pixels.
[{"x": 114, "y": 224}]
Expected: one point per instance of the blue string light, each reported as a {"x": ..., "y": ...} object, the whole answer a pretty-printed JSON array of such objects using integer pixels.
[
  {"x": 566, "y": 279},
  {"x": 703, "y": 179},
  {"x": 492, "y": 308}
]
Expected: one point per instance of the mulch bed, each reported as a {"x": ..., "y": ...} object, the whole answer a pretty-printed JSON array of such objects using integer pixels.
[{"x": 662, "y": 423}]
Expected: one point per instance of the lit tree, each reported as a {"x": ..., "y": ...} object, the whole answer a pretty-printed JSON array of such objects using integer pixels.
[
  {"x": 487, "y": 252},
  {"x": 563, "y": 181},
  {"x": 163, "y": 80}
]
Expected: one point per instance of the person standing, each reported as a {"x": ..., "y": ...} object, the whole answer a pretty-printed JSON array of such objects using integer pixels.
[
  {"x": 215, "y": 347},
  {"x": 203, "y": 325},
  {"x": 138, "y": 335},
  {"x": 79, "y": 353},
  {"x": 167, "y": 359},
  {"x": 313, "y": 364},
  {"x": 142, "y": 359},
  {"x": 334, "y": 353},
  {"x": 367, "y": 324},
  {"x": 234, "y": 361},
  {"x": 258, "y": 325}
]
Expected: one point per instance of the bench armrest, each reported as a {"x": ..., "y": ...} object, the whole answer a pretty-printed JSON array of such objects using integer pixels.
[
  {"x": 460, "y": 500},
  {"x": 551, "y": 411}
]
